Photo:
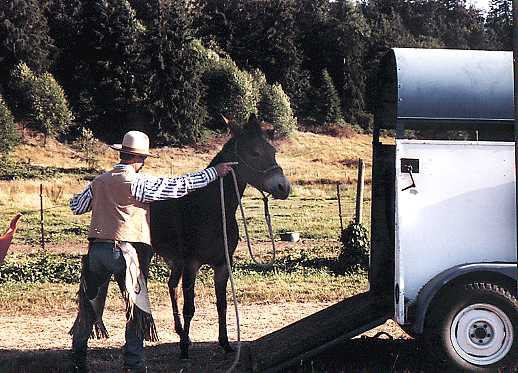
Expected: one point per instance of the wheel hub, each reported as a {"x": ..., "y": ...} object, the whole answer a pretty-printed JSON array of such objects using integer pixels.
[{"x": 481, "y": 334}]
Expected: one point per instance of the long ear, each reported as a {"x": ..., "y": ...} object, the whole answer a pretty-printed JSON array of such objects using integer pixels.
[
  {"x": 234, "y": 130},
  {"x": 268, "y": 130},
  {"x": 253, "y": 125}
]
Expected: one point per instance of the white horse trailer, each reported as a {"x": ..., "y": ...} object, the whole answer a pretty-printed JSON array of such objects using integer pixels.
[
  {"x": 443, "y": 259},
  {"x": 445, "y": 211}
]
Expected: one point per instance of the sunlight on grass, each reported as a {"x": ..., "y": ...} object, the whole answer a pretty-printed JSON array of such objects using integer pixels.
[{"x": 313, "y": 163}]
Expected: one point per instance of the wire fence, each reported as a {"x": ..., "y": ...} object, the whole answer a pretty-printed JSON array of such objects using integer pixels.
[{"x": 336, "y": 211}]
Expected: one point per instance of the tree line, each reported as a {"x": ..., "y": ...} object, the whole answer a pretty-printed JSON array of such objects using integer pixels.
[{"x": 171, "y": 67}]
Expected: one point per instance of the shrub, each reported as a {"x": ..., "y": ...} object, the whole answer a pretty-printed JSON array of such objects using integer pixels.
[
  {"x": 51, "y": 113},
  {"x": 355, "y": 247},
  {"x": 86, "y": 145},
  {"x": 8, "y": 135},
  {"x": 43, "y": 103},
  {"x": 274, "y": 107},
  {"x": 259, "y": 83},
  {"x": 230, "y": 91},
  {"x": 58, "y": 268}
]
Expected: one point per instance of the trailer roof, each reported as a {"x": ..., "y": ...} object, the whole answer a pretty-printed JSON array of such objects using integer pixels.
[{"x": 445, "y": 87}]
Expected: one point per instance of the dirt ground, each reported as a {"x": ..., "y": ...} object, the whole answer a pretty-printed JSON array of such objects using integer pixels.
[
  {"x": 31, "y": 343},
  {"x": 36, "y": 342}
]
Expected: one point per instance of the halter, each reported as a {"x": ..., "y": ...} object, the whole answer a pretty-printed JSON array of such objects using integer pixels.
[{"x": 242, "y": 161}]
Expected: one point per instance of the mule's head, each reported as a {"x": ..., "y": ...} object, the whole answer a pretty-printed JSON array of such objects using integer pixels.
[{"x": 256, "y": 157}]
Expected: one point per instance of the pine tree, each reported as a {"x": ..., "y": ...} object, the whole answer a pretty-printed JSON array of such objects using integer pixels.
[
  {"x": 327, "y": 102},
  {"x": 24, "y": 37},
  {"x": 499, "y": 24},
  {"x": 110, "y": 69},
  {"x": 8, "y": 135},
  {"x": 176, "y": 91}
]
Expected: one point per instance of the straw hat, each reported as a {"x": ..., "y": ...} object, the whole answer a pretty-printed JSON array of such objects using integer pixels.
[{"x": 134, "y": 142}]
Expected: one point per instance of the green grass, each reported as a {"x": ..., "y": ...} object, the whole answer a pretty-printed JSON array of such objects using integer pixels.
[{"x": 309, "y": 275}]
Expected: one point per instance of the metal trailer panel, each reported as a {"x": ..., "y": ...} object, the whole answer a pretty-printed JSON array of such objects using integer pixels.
[
  {"x": 423, "y": 88},
  {"x": 462, "y": 210}
]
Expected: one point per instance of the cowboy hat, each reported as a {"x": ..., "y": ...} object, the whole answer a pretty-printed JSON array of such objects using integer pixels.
[{"x": 134, "y": 142}]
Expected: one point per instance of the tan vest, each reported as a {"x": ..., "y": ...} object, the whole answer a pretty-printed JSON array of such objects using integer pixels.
[{"x": 116, "y": 214}]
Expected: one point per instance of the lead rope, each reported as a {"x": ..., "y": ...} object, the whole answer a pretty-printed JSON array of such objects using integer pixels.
[
  {"x": 229, "y": 269},
  {"x": 227, "y": 256},
  {"x": 268, "y": 219}
]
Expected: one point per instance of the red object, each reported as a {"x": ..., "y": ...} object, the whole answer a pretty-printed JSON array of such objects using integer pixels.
[{"x": 5, "y": 240}]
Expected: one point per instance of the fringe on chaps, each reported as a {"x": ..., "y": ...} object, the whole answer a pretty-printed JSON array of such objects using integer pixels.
[{"x": 89, "y": 318}]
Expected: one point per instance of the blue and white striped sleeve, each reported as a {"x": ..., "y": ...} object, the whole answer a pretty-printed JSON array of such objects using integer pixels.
[
  {"x": 147, "y": 188},
  {"x": 82, "y": 202}
]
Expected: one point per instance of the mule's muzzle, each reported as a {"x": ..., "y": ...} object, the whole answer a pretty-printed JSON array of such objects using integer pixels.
[{"x": 278, "y": 186}]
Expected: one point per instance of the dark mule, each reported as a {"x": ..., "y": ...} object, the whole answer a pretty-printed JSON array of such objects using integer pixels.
[{"x": 187, "y": 232}]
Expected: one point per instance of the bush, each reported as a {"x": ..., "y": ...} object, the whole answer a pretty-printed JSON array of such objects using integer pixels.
[
  {"x": 355, "y": 247},
  {"x": 58, "y": 268},
  {"x": 274, "y": 107},
  {"x": 85, "y": 144},
  {"x": 8, "y": 135},
  {"x": 43, "y": 102},
  {"x": 12, "y": 170},
  {"x": 230, "y": 91}
]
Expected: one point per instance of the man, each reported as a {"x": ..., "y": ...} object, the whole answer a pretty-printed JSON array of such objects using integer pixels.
[{"x": 119, "y": 244}]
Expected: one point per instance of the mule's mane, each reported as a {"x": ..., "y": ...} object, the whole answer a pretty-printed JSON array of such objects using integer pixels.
[{"x": 220, "y": 157}]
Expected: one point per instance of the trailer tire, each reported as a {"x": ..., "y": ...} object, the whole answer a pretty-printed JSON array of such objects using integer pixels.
[{"x": 475, "y": 327}]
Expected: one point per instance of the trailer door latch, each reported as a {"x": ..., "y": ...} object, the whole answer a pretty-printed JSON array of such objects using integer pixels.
[{"x": 410, "y": 166}]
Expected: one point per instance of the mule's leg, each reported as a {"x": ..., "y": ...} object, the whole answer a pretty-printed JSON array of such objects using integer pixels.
[
  {"x": 188, "y": 282},
  {"x": 220, "y": 282},
  {"x": 174, "y": 279}
]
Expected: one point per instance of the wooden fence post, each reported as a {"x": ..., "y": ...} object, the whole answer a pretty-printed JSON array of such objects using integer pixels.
[
  {"x": 41, "y": 219},
  {"x": 339, "y": 206},
  {"x": 359, "y": 192}
]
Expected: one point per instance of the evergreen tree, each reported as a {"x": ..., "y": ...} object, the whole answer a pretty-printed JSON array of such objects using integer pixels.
[
  {"x": 327, "y": 102},
  {"x": 24, "y": 36},
  {"x": 8, "y": 135},
  {"x": 259, "y": 34},
  {"x": 176, "y": 91},
  {"x": 499, "y": 24},
  {"x": 64, "y": 20},
  {"x": 109, "y": 74}
]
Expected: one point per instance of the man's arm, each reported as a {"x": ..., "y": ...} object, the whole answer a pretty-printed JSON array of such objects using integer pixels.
[
  {"x": 147, "y": 188},
  {"x": 82, "y": 202}
]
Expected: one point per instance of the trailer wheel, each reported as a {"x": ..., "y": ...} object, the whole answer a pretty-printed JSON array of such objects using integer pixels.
[{"x": 475, "y": 326}]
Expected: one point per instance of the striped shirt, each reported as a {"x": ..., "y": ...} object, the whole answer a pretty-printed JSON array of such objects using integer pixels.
[{"x": 147, "y": 188}]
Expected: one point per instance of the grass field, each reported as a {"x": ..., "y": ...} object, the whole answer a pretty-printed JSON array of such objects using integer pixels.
[{"x": 313, "y": 163}]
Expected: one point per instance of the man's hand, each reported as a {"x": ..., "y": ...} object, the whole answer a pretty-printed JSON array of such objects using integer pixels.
[{"x": 224, "y": 168}]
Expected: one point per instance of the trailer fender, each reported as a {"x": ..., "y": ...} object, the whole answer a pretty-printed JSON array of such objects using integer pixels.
[{"x": 473, "y": 271}]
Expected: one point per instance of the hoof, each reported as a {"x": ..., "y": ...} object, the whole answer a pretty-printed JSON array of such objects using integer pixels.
[
  {"x": 184, "y": 355},
  {"x": 226, "y": 347},
  {"x": 184, "y": 350}
]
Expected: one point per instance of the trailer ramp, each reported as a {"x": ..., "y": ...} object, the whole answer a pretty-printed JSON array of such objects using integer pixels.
[{"x": 318, "y": 332}]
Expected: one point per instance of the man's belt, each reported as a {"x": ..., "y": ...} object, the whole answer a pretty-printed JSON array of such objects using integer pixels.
[{"x": 100, "y": 240}]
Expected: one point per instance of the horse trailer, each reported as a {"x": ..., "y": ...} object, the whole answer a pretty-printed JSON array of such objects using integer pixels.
[{"x": 443, "y": 260}]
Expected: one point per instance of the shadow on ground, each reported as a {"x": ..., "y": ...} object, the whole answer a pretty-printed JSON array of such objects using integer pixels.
[{"x": 357, "y": 355}]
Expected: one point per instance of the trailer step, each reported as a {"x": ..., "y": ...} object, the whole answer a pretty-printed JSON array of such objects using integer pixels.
[{"x": 317, "y": 332}]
